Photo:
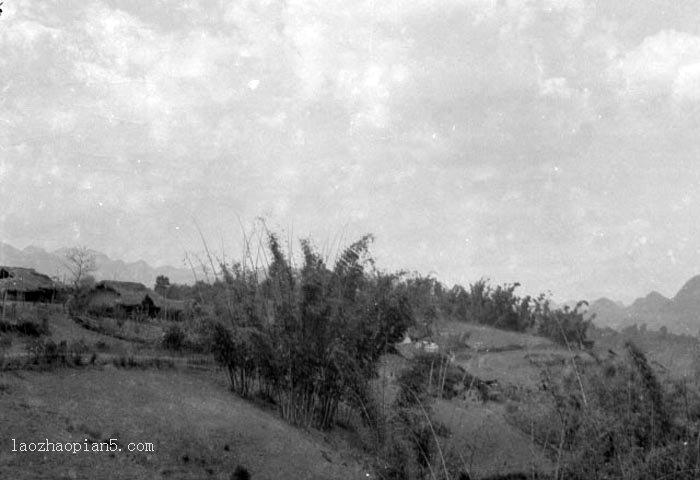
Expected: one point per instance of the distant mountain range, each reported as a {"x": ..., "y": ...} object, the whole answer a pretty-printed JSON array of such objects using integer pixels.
[
  {"x": 53, "y": 265},
  {"x": 680, "y": 314}
]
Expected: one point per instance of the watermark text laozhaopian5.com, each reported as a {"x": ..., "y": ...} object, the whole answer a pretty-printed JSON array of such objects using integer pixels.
[{"x": 111, "y": 445}]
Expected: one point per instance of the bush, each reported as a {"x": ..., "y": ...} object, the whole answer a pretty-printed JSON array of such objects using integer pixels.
[
  {"x": 564, "y": 326},
  {"x": 241, "y": 473},
  {"x": 501, "y": 307},
  {"x": 47, "y": 352},
  {"x": 616, "y": 419},
  {"x": 5, "y": 344},
  {"x": 79, "y": 347},
  {"x": 31, "y": 329},
  {"x": 433, "y": 375},
  {"x": 26, "y": 327},
  {"x": 496, "y": 306},
  {"x": 174, "y": 338},
  {"x": 199, "y": 334},
  {"x": 411, "y": 445}
]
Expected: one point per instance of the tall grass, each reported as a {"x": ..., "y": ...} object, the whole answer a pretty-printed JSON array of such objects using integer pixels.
[{"x": 616, "y": 419}]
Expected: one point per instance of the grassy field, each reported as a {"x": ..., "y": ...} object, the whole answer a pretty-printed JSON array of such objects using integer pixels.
[
  {"x": 199, "y": 429},
  {"x": 483, "y": 338},
  {"x": 511, "y": 358},
  {"x": 63, "y": 328},
  {"x": 481, "y": 436},
  {"x": 486, "y": 443}
]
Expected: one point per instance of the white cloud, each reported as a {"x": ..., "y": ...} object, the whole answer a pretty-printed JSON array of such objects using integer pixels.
[
  {"x": 143, "y": 75},
  {"x": 687, "y": 83},
  {"x": 63, "y": 122},
  {"x": 25, "y": 32},
  {"x": 309, "y": 40},
  {"x": 662, "y": 65},
  {"x": 555, "y": 87},
  {"x": 429, "y": 120}
]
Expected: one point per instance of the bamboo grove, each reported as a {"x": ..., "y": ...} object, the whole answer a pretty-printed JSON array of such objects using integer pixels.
[{"x": 309, "y": 338}]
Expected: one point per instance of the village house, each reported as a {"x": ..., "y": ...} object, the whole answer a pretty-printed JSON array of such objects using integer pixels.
[
  {"x": 131, "y": 299},
  {"x": 26, "y": 285}
]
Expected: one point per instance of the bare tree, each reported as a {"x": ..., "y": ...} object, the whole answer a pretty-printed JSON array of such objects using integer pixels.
[{"x": 81, "y": 264}]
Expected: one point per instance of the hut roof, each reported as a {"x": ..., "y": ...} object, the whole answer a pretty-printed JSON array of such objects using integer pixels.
[
  {"x": 133, "y": 293},
  {"x": 122, "y": 287},
  {"x": 21, "y": 279},
  {"x": 129, "y": 293},
  {"x": 167, "y": 303}
]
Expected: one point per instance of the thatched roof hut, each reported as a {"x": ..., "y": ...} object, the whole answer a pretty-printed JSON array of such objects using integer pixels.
[
  {"x": 131, "y": 298},
  {"x": 18, "y": 283}
]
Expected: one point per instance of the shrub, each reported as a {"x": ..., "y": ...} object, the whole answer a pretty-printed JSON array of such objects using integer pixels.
[
  {"x": 47, "y": 352},
  {"x": 76, "y": 350},
  {"x": 241, "y": 473},
  {"x": 615, "y": 419},
  {"x": 79, "y": 347},
  {"x": 5, "y": 344},
  {"x": 26, "y": 327},
  {"x": 498, "y": 307},
  {"x": 565, "y": 326},
  {"x": 501, "y": 307},
  {"x": 174, "y": 338},
  {"x": 432, "y": 374}
]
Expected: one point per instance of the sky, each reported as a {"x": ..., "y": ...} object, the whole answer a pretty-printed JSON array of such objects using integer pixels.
[{"x": 555, "y": 143}]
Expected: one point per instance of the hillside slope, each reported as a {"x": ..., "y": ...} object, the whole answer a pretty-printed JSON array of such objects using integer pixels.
[{"x": 199, "y": 429}]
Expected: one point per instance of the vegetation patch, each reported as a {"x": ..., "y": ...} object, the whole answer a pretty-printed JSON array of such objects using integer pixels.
[{"x": 25, "y": 327}]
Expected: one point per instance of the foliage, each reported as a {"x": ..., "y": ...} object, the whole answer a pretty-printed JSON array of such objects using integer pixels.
[
  {"x": 565, "y": 326},
  {"x": 434, "y": 375},
  {"x": 26, "y": 327},
  {"x": 308, "y": 338},
  {"x": 496, "y": 306},
  {"x": 46, "y": 351},
  {"x": 174, "y": 338},
  {"x": 5, "y": 344},
  {"x": 162, "y": 285},
  {"x": 78, "y": 302},
  {"x": 424, "y": 294},
  {"x": 501, "y": 307},
  {"x": 412, "y": 446},
  {"x": 617, "y": 420},
  {"x": 241, "y": 473}
]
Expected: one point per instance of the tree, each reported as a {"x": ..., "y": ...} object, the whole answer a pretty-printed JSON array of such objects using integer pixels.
[
  {"x": 80, "y": 262},
  {"x": 162, "y": 285}
]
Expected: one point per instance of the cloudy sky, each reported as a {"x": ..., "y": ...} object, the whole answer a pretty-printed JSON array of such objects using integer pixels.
[{"x": 551, "y": 142}]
